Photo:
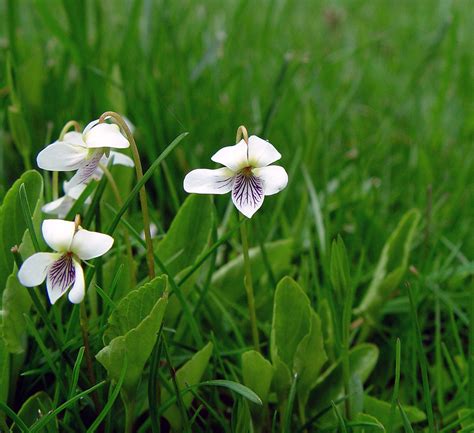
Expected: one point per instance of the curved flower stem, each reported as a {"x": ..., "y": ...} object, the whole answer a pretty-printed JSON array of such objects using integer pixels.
[
  {"x": 143, "y": 201},
  {"x": 242, "y": 133},
  {"x": 118, "y": 198},
  {"x": 67, "y": 127}
]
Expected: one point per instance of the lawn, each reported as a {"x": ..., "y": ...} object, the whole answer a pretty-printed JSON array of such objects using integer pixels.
[{"x": 345, "y": 303}]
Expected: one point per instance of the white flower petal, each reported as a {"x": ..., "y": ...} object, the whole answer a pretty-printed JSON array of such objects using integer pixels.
[
  {"x": 88, "y": 245},
  {"x": 61, "y": 156},
  {"x": 274, "y": 178},
  {"x": 204, "y": 181},
  {"x": 61, "y": 275},
  {"x": 58, "y": 234},
  {"x": 76, "y": 294},
  {"x": 87, "y": 169},
  {"x": 233, "y": 157},
  {"x": 59, "y": 207},
  {"x": 261, "y": 152},
  {"x": 120, "y": 159},
  {"x": 247, "y": 194},
  {"x": 75, "y": 191},
  {"x": 105, "y": 135},
  {"x": 74, "y": 137},
  {"x": 34, "y": 269}
]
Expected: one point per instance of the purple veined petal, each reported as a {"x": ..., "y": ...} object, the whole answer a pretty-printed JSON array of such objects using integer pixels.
[
  {"x": 274, "y": 178},
  {"x": 247, "y": 194},
  {"x": 87, "y": 169},
  {"x": 261, "y": 152},
  {"x": 61, "y": 275},
  {"x": 233, "y": 157},
  {"x": 34, "y": 269},
  {"x": 205, "y": 181}
]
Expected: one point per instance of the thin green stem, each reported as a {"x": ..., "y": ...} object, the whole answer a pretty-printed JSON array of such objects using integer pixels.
[
  {"x": 87, "y": 350},
  {"x": 471, "y": 349},
  {"x": 248, "y": 284},
  {"x": 118, "y": 198},
  {"x": 143, "y": 198},
  {"x": 55, "y": 185}
]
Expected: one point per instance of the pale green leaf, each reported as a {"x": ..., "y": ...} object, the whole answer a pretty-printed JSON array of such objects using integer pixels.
[
  {"x": 309, "y": 358},
  {"x": 189, "y": 374},
  {"x": 33, "y": 409},
  {"x": 16, "y": 302},
  {"x": 12, "y": 222},
  {"x": 392, "y": 263},
  {"x": 381, "y": 410},
  {"x": 330, "y": 385},
  {"x": 133, "y": 332},
  {"x": 228, "y": 280},
  {"x": 257, "y": 373},
  {"x": 188, "y": 234}
]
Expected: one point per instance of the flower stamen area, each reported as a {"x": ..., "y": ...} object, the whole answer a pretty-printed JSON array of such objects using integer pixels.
[{"x": 247, "y": 171}]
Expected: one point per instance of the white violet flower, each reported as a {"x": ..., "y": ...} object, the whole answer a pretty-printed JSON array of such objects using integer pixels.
[
  {"x": 62, "y": 205},
  {"x": 82, "y": 151},
  {"x": 62, "y": 269},
  {"x": 247, "y": 173}
]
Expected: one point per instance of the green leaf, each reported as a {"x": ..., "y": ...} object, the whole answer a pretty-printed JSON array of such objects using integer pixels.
[
  {"x": 392, "y": 264},
  {"x": 188, "y": 234},
  {"x": 227, "y": 280},
  {"x": 466, "y": 417},
  {"x": 291, "y": 320},
  {"x": 339, "y": 268},
  {"x": 189, "y": 374},
  {"x": 16, "y": 302},
  {"x": 381, "y": 410},
  {"x": 12, "y": 222},
  {"x": 309, "y": 358},
  {"x": 257, "y": 373},
  {"x": 364, "y": 423},
  {"x": 34, "y": 409},
  {"x": 297, "y": 344},
  {"x": 240, "y": 389},
  {"x": 132, "y": 332},
  {"x": 330, "y": 385}
]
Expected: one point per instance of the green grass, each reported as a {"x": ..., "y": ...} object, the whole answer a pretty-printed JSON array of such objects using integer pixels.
[{"x": 371, "y": 106}]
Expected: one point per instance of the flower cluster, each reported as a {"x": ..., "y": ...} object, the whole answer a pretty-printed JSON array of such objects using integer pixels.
[
  {"x": 87, "y": 153},
  {"x": 247, "y": 174}
]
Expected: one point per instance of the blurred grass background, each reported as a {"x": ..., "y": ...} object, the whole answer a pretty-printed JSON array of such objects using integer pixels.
[
  {"x": 372, "y": 100},
  {"x": 375, "y": 99}
]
